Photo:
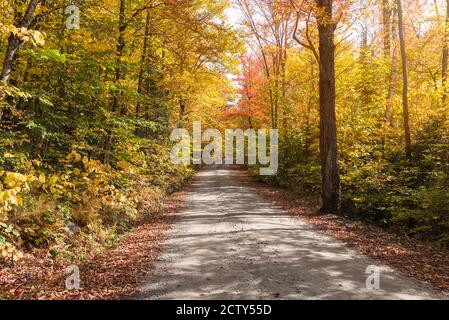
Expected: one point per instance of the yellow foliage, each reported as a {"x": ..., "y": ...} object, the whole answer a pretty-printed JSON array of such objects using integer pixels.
[
  {"x": 123, "y": 164},
  {"x": 42, "y": 178},
  {"x": 36, "y": 37}
]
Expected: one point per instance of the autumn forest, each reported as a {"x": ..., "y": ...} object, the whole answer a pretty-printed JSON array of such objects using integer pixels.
[{"x": 90, "y": 91}]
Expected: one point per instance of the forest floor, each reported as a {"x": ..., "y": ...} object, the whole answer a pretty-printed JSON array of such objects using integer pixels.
[
  {"x": 228, "y": 237},
  {"x": 229, "y": 242}
]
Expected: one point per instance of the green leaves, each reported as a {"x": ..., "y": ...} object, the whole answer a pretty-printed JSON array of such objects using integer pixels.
[{"x": 48, "y": 54}]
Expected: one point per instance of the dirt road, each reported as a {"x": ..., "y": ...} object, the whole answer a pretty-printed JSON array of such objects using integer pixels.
[{"x": 229, "y": 243}]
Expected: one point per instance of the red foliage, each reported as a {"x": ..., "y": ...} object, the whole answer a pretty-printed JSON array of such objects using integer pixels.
[{"x": 252, "y": 84}]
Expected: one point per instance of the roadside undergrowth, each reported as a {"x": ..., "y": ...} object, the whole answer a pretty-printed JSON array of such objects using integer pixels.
[
  {"x": 111, "y": 273},
  {"x": 53, "y": 217}
]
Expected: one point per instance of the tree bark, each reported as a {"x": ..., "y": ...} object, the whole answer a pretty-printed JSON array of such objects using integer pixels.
[
  {"x": 328, "y": 123},
  {"x": 445, "y": 55},
  {"x": 408, "y": 143},
  {"x": 120, "y": 49},
  {"x": 115, "y": 107},
  {"x": 389, "y": 55},
  {"x": 393, "y": 72},
  {"x": 386, "y": 18},
  {"x": 284, "y": 89},
  {"x": 28, "y": 20},
  {"x": 143, "y": 63}
]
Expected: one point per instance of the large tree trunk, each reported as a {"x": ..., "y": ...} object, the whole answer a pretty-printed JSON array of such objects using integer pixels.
[
  {"x": 115, "y": 107},
  {"x": 386, "y": 18},
  {"x": 14, "y": 45},
  {"x": 393, "y": 73},
  {"x": 328, "y": 123},
  {"x": 408, "y": 143},
  {"x": 389, "y": 15},
  {"x": 27, "y": 21},
  {"x": 143, "y": 79},
  {"x": 143, "y": 63},
  {"x": 445, "y": 55}
]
